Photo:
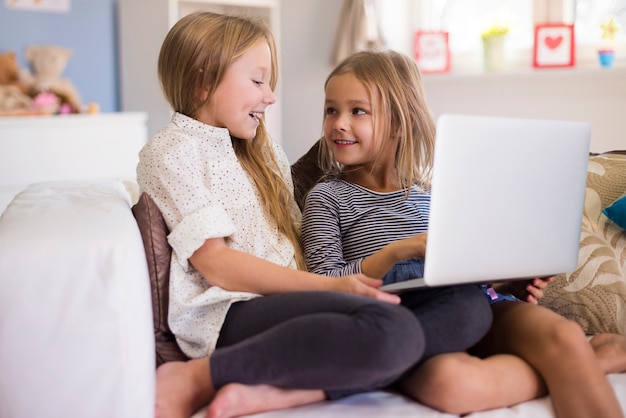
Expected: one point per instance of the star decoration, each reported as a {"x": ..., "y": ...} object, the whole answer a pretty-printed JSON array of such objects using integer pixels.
[{"x": 609, "y": 29}]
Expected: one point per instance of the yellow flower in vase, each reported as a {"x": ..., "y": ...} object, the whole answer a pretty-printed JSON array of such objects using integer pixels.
[
  {"x": 493, "y": 47},
  {"x": 494, "y": 31}
]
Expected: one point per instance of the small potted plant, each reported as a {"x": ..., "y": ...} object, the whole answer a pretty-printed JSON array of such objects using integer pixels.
[
  {"x": 493, "y": 47},
  {"x": 606, "y": 53}
]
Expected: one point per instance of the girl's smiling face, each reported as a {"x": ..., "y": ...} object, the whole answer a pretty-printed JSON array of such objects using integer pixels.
[
  {"x": 349, "y": 121},
  {"x": 243, "y": 95}
]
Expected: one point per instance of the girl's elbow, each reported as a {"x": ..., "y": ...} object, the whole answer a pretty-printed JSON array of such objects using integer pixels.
[{"x": 207, "y": 261}]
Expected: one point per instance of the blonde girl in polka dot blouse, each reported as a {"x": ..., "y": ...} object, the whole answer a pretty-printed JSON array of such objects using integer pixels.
[{"x": 256, "y": 325}]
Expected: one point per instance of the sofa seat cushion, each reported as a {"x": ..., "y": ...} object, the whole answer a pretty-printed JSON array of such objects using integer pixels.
[{"x": 594, "y": 294}]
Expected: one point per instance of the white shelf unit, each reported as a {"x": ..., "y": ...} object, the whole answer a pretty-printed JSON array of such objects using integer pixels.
[
  {"x": 67, "y": 147},
  {"x": 143, "y": 25}
]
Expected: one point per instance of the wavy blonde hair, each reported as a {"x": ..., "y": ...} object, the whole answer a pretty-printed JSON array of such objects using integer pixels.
[
  {"x": 195, "y": 55},
  {"x": 403, "y": 116}
]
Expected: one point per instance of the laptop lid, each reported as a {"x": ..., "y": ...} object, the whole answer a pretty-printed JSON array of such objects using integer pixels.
[
  {"x": 506, "y": 201},
  {"x": 507, "y": 198}
]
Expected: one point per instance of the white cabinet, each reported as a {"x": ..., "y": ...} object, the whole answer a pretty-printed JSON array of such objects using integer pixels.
[
  {"x": 143, "y": 25},
  {"x": 67, "y": 147}
]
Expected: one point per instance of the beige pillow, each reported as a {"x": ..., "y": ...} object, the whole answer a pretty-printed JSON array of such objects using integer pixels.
[{"x": 594, "y": 295}]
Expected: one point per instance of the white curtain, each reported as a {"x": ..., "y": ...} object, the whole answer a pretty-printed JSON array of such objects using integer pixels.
[{"x": 357, "y": 30}]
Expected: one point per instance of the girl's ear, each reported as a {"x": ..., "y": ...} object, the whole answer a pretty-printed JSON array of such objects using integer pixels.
[
  {"x": 395, "y": 129},
  {"x": 202, "y": 91},
  {"x": 203, "y": 94}
]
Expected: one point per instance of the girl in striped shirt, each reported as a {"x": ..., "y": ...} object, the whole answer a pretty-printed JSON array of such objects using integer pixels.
[{"x": 371, "y": 216}]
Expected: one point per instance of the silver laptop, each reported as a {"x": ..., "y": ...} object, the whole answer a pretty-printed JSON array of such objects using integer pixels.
[{"x": 506, "y": 201}]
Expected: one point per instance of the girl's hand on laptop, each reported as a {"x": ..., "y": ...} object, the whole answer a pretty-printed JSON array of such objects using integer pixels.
[{"x": 530, "y": 290}]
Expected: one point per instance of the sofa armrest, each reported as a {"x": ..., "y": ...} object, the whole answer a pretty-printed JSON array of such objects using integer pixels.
[{"x": 75, "y": 311}]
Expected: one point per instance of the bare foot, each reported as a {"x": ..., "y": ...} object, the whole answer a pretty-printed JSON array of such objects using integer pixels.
[
  {"x": 182, "y": 388},
  {"x": 235, "y": 399},
  {"x": 610, "y": 350}
]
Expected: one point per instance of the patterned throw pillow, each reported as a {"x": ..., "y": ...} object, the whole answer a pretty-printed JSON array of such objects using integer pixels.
[{"x": 594, "y": 295}]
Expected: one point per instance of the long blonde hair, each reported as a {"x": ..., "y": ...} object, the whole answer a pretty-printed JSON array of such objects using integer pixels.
[
  {"x": 403, "y": 116},
  {"x": 195, "y": 55}
]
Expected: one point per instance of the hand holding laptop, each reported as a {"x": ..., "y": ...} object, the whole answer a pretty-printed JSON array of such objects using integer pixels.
[{"x": 529, "y": 290}]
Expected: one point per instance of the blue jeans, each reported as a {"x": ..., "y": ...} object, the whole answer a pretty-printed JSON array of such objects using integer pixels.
[{"x": 405, "y": 270}]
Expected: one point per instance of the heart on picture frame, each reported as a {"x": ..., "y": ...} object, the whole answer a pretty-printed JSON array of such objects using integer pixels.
[
  {"x": 553, "y": 42},
  {"x": 554, "y": 45}
]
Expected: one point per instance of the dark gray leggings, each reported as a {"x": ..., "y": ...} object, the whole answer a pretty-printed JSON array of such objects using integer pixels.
[
  {"x": 453, "y": 318},
  {"x": 341, "y": 343}
]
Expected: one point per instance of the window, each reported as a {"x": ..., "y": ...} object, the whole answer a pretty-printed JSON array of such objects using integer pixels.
[
  {"x": 589, "y": 15},
  {"x": 466, "y": 21}
]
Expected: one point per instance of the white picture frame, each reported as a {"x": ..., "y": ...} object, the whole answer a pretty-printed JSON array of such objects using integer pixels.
[
  {"x": 431, "y": 51},
  {"x": 554, "y": 45}
]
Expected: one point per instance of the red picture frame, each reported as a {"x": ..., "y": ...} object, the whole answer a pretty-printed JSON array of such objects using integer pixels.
[
  {"x": 554, "y": 45},
  {"x": 431, "y": 51}
]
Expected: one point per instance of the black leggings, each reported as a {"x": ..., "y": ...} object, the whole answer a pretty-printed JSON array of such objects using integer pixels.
[
  {"x": 316, "y": 340},
  {"x": 338, "y": 342},
  {"x": 453, "y": 318}
]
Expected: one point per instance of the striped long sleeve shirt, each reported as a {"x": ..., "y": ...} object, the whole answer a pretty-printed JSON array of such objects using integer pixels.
[{"x": 343, "y": 223}]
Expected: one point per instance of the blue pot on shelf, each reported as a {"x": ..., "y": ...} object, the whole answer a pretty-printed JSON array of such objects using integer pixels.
[{"x": 606, "y": 57}]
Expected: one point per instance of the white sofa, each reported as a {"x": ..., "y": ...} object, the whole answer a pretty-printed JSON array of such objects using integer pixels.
[
  {"x": 76, "y": 318},
  {"x": 75, "y": 310}
]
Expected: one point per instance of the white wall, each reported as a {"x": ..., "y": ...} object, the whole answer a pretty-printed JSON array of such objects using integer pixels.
[
  {"x": 307, "y": 29},
  {"x": 593, "y": 95}
]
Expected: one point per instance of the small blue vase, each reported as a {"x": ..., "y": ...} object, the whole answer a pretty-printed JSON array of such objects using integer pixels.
[{"x": 606, "y": 58}]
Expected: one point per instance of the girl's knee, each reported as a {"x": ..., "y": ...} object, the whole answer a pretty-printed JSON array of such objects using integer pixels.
[
  {"x": 565, "y": 334},
  {"x": 566, "y": 337},
  {"x": 449, "y": 383},
  {"x": 395, "y": 321},
  {"x": 395, "y": 336}
]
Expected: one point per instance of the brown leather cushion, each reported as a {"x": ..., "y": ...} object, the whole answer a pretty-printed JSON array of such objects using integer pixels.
[
  {"x": 306, "y": 172},
  {"x": 154, "y": 233}
]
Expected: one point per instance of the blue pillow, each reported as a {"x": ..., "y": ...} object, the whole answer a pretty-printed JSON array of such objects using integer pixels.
[{"x": 617, "y": 212}]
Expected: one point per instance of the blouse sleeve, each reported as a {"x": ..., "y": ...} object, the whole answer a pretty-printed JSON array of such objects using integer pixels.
[
  {"x": 173, "y": 171},
  {"x": 321, "y": 235}
]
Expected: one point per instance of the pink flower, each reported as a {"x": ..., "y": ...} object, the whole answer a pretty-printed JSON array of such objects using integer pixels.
[{"x": 46, "y": 100}]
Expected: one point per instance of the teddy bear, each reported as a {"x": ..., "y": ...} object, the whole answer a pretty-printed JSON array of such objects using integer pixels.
[
  {"x": 10, "y": 72},
  {"x": 13, "y": 101},
  {"x": 13, "y": 97},
  {"x": 47, "y": 64}
]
